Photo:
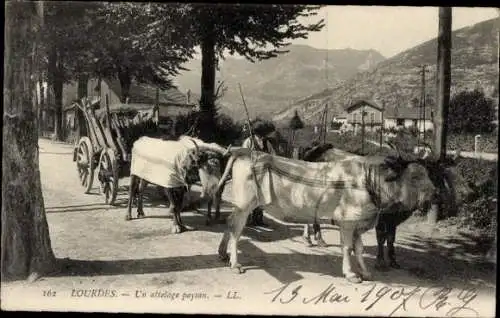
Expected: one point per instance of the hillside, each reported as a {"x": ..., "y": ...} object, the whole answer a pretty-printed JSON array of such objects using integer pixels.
[
  {"x": 272, "y": 85},
  {"x": 397, "y": 80}
]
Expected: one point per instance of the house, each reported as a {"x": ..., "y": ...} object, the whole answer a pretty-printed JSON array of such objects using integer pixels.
[
  {"x": 364, "y": 112},
  {"x": 406, "y": 117},
  {"x": 376, "y": 116}
]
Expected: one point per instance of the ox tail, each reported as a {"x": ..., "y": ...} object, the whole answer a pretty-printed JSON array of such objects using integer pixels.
[{"x": 227, "y": 171}]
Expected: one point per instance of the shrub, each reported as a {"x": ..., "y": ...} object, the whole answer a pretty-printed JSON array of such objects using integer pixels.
[
  {"x": 471, "y": 112},
  {"x": 479, "y": 211},
  {"x": 227, "y": 132}
]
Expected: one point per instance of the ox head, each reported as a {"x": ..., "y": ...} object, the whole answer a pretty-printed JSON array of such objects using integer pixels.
[
  {"x": 407, "y": 182},
  {"x": 442, "y": 172},
  {"x": 208, "y": 164},
  {"x": 210, "y": 172}
]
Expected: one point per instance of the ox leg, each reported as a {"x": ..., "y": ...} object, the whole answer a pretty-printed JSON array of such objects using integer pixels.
[
  {"x": 317, "y": 234},
  {"x": 217, "y": 202},
  {"x": 209, "y": 212},
  {"x": 391, "y": 238},
  {"x": 236, "y": 223},
  {"x": 176, "y": 206},
  {"x": 140, "y": 192},
  {"x": 307, "y": 236},
  {"x": 381, "y": 238},
  {"x": 346, "y": 239},
  {"x": 358, "y": 250},
  {"x": 131, "y": 195}
]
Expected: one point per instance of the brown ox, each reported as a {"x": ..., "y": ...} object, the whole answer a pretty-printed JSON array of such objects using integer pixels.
[
  {"x": 354, "y": 192},
  {"x": 443, "y": 174}
]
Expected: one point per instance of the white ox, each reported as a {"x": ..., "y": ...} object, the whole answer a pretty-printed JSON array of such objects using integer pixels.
[{"x": 353, "y": 192}]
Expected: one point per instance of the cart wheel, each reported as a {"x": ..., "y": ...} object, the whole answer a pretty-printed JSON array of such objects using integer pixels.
[
  {"x": 108, "y": 175},
  {"x": 85, "y": 163}
]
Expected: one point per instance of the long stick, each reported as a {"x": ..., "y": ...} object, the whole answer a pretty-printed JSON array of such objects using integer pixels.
[
  {"x": 248, "y": 115},
  {"x": 253, "y": 142}
]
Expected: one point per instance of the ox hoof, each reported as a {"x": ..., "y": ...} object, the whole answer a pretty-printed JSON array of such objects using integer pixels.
[
  {"x": 140, "y": 215},
  {"x": 176, "y": 229},
  {"x": 367, "y": 276},
  {"x": 307, "y": 241},
  {"x": 128, "y": 218},
  {"x": 220, "y": 221},
  {"x": 187, "y": 228},
  {"x": 394, "y": 265},
  {"x": 237, "y": 269},
  {"x": 381, "y": 266},
  {"x": 322, "y": 243},
  {"x": 354, "y": 279},
  {"x": 224, "y": 257}
]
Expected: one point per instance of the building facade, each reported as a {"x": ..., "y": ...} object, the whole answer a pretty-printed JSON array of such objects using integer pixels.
[{"x": 376, "y": 117}]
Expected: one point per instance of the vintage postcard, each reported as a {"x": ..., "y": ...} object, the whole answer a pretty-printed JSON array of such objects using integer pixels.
[{"x": 250, "y": 159}]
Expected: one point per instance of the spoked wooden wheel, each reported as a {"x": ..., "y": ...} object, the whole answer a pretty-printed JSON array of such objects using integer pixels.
[
  {"x": 85, "y": 163},
  {"x": 108, "y": 175}
]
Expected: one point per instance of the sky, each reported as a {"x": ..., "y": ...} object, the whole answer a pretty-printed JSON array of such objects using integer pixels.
[{"x": 389, "y": 30}]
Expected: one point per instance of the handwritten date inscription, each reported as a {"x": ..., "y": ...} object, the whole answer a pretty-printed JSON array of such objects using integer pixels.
[{"x": 396, "y": 299}]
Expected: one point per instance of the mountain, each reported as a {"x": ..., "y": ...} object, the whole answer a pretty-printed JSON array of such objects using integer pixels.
[
  {"x": 397, "y": 80},
  {"x": 274, "y": 84}
]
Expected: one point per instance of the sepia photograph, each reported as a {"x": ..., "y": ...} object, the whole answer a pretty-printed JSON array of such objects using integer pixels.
[{"x": 250, "y": 159}]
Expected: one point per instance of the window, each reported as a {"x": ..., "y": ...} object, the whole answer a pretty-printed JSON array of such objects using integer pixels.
[
  {"x": 372, "y": 117},
  {"x": 415, "y": 123},
  {"x": 400, "y": 122}
]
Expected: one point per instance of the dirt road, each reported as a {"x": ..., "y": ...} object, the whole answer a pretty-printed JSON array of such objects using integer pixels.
[{"x": 138, "y": 266}]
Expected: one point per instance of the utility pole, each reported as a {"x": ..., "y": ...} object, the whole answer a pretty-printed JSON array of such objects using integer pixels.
[
  {"x": 382, "y": 125},
  {"x": 423, "y": 102},
  {"x": 363, "y": 112},
  {"x": 443, "y": 95}
]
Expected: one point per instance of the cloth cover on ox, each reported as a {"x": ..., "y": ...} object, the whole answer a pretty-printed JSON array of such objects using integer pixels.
[
  {"x": 304, "y": 190},
  {"x": 160, "y": 161}
]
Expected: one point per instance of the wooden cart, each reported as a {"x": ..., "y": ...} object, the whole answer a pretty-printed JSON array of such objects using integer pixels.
[{"x": 107, "y": 143}]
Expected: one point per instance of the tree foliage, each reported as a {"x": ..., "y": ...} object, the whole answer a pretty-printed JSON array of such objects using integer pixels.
[
  {"x": 471, "y": 112},
  {"x": 144, "y": 42},
  {"x": 255, "y": 32}
]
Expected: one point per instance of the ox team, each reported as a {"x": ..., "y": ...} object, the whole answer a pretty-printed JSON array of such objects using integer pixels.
[{"x": 353, "y": 191}]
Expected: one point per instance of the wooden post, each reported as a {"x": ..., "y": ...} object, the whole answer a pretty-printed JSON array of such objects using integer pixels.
[
  {"x": 363, "y": 129},
  {"x": 443, "y": 95},
  {"x": 382, "y": 125}
]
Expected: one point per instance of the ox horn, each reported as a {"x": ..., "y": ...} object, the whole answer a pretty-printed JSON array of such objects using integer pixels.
[{"x": 196, "y": 147}]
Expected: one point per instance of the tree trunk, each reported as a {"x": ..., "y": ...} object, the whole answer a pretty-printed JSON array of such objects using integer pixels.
[
  {"x": 58, "y": 95},
  {"x": 56, "y": 83},
  {"x": 26, "y": 248},
  {"x": 125, "y": 83},
  {"x": 208, "y": 65},
  {"x": 41, "y": 105}
]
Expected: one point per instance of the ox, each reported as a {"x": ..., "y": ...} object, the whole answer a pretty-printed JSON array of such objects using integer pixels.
[
  {"x": 173, "y": 172},
  {"x": 443, "y": 174},
  {"x": 354, "y": 192}
]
